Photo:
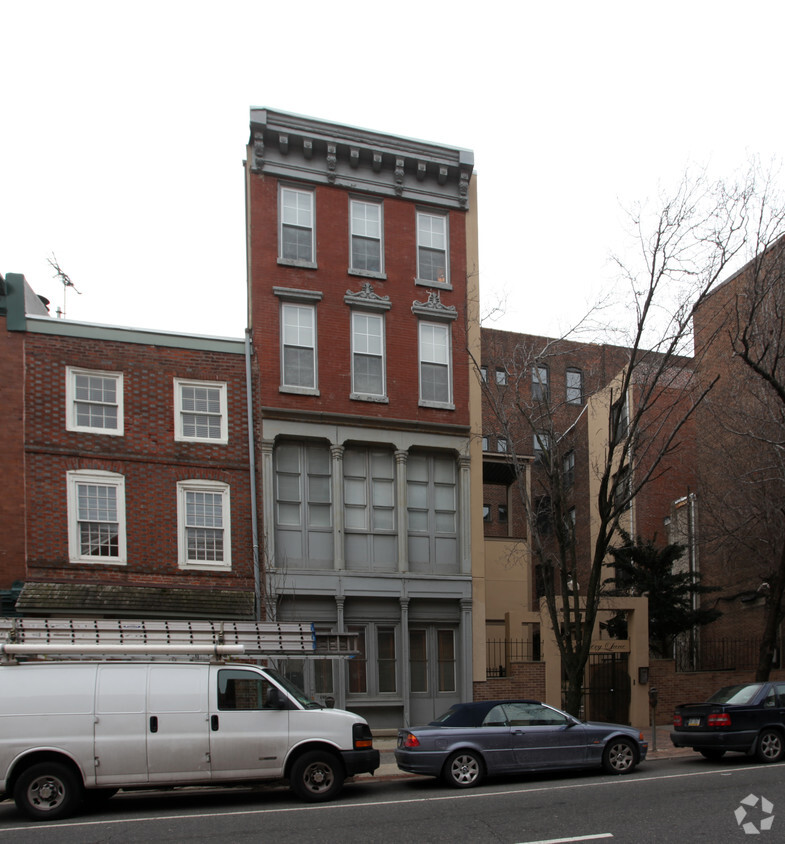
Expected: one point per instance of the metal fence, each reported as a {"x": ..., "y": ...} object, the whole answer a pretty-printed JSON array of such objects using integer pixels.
[
  {"x": 719, "y": 655},
  {"x": 501, "y": 652}
]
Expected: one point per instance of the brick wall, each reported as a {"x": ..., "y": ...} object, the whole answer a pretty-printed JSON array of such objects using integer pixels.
[
  {"x": 332, "y": 280},
  {"x": 12, "y": 499},
  {"x": 147, "y": 456},
  {"x": 527, "y": 680}
]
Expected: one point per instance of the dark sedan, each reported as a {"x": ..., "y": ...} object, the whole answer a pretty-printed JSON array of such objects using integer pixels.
[
  {"x": 748, "y": 718},
  {"x": 472, "y": 740}
]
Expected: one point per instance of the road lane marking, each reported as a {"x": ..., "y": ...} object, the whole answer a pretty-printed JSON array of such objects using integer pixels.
[
  {"x": 573, "y": 838},
  {"x": 322, "y": 807}
]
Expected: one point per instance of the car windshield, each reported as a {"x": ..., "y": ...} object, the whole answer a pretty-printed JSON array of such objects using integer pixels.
[{"x": 736, "y": 694}]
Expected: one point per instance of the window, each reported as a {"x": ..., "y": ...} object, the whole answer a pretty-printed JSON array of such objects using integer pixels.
[
  {"x": 501, "y": 377},
  {"x": 501, "y": 445},
  {"x": 486, "y": 512},
  {"x": 619, "y": 420},
  {"x": 435, "y": 365},
  {"x": 503, "y": 514},
  {"x": 485, "y": 442},
  {"x": 540, "y": 389},
  {"x": 203, "y": 525},
  {"x": 425, "y": 676},
  {"x": 432, "y": 248},
  {"x": 542, "y": 445},
  {"x": 243, "y": 690},
  {"x": 568, "y": 466},
  {"x": 370, "y": 540},
  {"x": 431, "y": 493},
  {"x": 543, "y": 515},
  {"x": 94, "y": 401},
  {"x": 367, "y": 246},
  {"x": 623, "y": 490},
  {"x": 574, "y": 386},
  {"x": 298, "y": 346},
  {"x": 303, "y": 505},
  {"x": 96, "y": 517},
  {"x": 296, "y": 231},
  {"x": 200, "y": 411},
  {"x": 484, "y": 374},
  {"x": 418, "y": 660},
  {"x": 367, "y": 355},
  {"x": 374, "y": 671},
  {"x": 446, "y": 656}
]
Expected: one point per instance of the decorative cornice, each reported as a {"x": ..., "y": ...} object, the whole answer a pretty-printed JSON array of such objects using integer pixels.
[
  {"x": 433, "y": 308},
  {"x": 293, "y": 147},
  {"x": 367, "y": 298}
]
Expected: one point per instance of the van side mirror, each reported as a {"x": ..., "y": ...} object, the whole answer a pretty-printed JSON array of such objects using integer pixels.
[{"x": 276, "y": 700}]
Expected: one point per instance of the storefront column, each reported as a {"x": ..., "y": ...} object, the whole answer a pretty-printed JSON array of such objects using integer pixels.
[
  {"x": 405, "y": 673},
  {"x": 467, "y": 691},
  {"x": 402, "y": 519},
  {"x": 465, "y": 550},
  {"x": 336, "y": 453},
  {"x": 340, "y": 692}
]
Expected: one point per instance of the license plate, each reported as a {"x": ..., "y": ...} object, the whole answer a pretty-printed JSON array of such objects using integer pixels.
[{"x": 693, "y": 722}]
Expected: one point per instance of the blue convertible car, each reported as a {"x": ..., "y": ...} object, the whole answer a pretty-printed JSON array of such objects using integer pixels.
[{"x": 472, "y": 740}]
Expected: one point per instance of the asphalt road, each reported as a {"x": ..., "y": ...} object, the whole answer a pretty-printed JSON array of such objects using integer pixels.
[{"x": 682, "y": 799}]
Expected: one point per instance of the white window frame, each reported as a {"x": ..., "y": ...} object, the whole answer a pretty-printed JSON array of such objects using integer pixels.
[
  {"x": 299, "y": 224},
  {"x": 71, "y": 400},
  {"x": 432, "y": 360},
  {"x": 95, "y": 477},
  {"x": 358, "y": 350},
  {"x": 574, "y": 392},
  {"x": 180, "y": 411},
  {"x": 211, "y": 487},
  {"x": 362, "y": 234},
  {"x": 426, "y": 237},
  {"x": 314, "y": 346}
]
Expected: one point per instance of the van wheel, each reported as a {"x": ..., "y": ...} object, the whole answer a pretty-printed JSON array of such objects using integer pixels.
[
  {"x": 317, "y": 776},
  {"x": 47, "y": 791}
]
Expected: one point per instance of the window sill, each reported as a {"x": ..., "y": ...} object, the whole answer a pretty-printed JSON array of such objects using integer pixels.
[
  {"x": 438, "y": 405},
  {"x": 93, "y": 561},
  {"x": 299, "y": 391},
  {"x": 441, "y": 285},
  {"x": 205, "y": 440},
  {"x": 205, "y": 566},
  {"x": 293, "y": 262},
  {"x": 367, "y": 274},
  {"x": 370, "y": 398},
  {"x": 105, "y": 432}
]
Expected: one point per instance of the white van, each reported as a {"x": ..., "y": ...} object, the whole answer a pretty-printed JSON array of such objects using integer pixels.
[{"x": 75, "y": 730}]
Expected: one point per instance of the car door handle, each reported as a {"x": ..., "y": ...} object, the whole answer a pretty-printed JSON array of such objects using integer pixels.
[
  {"x": 153, "y": 723},
  {"x": 213, "y": 722}
]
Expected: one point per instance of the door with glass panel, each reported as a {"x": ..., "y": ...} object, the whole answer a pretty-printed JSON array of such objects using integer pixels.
[{"x": 433, "y": 671}]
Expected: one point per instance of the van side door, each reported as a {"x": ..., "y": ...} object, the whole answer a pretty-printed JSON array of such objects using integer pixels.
[
  {"x": 178, "y": 743},
  {"x": 249, "y": 732},
  {"x": 121, "y": 725}
]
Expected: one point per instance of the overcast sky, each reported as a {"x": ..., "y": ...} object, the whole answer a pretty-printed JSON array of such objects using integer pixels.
[{"x": 124, "y": 128}]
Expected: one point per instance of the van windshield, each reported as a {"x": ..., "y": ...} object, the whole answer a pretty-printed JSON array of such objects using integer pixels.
[{"x": 293, "y": 691}]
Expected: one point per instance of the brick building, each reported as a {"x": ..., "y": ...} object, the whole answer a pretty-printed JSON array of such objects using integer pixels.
[
  {"x": 361, "y": 259},
  {"x": 132, "y": 451}
]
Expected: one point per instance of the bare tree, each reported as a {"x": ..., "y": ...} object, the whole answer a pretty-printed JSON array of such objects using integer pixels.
[{"x": 638, "y": 398}]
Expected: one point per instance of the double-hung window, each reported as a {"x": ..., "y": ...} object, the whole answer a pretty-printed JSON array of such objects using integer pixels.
[
  {"x": 367, "y": 242},
  {"x": 432, "y": 249},
  {"x": 298, "y": 345},
  {"x": 574, "y": 386},
  {"x": 96, "y": 517},
  {"x": 568, "y": 465},
  {"x": 540, "y": 388},
  {"x": 200, "y": 411},
  {"x": 368, "y": 368},
  {"x": 204, "y": 534},
  {"x": 296, "y": 227},
  {"x": 435, "y": 365},
  {"x": 94, "y": 401}
]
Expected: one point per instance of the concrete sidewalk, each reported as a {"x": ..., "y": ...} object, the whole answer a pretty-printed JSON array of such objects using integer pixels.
[{"x": 385, "y": 744}]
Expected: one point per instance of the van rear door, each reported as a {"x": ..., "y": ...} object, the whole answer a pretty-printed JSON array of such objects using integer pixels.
[{"x": 249, "y": 734}]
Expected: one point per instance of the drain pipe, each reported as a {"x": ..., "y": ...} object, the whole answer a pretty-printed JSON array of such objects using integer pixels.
[{"x": 257, "y": 578}]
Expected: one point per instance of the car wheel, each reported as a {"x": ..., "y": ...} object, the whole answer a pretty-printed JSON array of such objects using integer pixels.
[
  {"x": 770, "y": 746},
  {"x": 463, "y": 769},
  {"x": 317, "y": 776},
  {"x": 48, "y": 791},
  {"x": 619, "y": 756},
  {"x": 713, "y": 754}
]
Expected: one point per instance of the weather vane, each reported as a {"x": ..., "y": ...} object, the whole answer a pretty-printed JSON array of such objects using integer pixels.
[{"x": 65, "y": 278}]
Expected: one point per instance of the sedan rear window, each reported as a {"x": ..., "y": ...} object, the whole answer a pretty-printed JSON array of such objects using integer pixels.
[{"x": 736, "y": 694}]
